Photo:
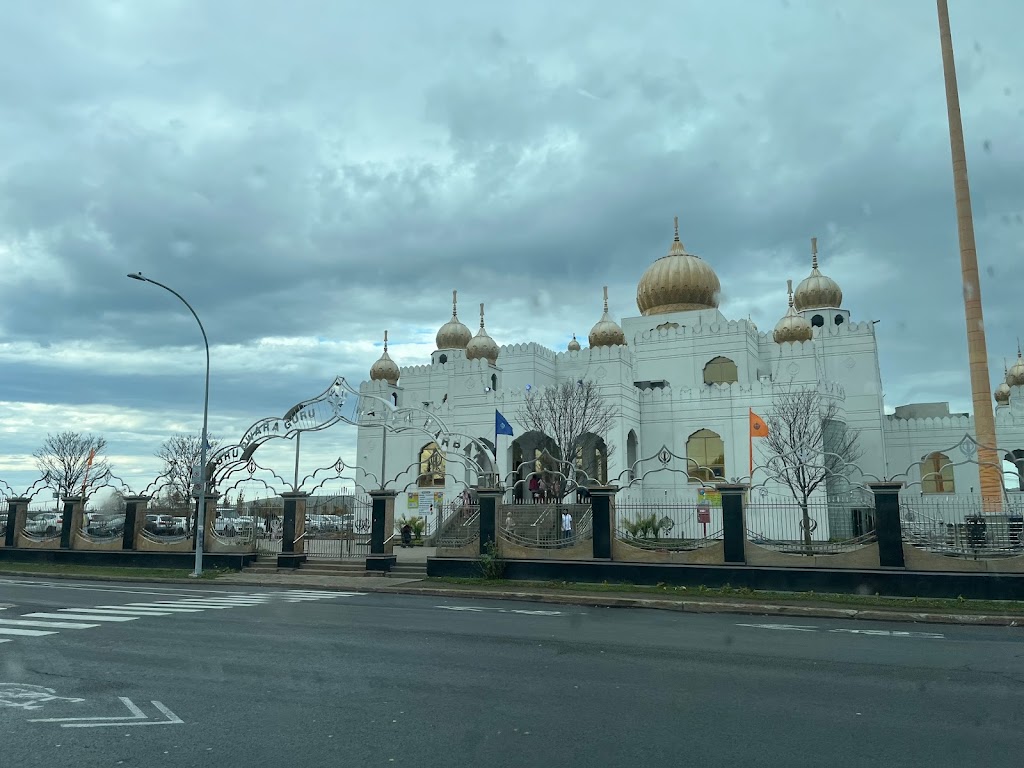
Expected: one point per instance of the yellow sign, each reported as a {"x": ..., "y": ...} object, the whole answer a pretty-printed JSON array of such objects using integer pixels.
[{"x": 711, "y": 496}]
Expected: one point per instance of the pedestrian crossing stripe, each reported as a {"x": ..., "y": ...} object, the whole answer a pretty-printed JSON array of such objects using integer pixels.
[{"x": 44, "y": 623}]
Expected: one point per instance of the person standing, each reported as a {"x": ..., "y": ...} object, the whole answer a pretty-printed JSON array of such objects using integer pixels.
[{"x": 566, "y": 526}]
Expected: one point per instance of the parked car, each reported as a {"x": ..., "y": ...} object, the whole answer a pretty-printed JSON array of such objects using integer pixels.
[
  {"x": 46, "y": 524},
  {"x": 161, "y": 525},
  {"x": 109, "y": 525}
]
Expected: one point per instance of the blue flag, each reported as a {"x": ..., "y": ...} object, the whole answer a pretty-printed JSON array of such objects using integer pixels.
[{"x": 501, "y": 425}]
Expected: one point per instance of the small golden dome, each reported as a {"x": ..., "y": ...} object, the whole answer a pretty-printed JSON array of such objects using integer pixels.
[
  {"x": 677, "y": 282},
  {"x": 453, "y": 334},
  {"x": 574, "y": 346},
  {"x": 1003, "y": 393},
  {"x": 385, "y": 369},
  {"x": 606, "y": 332},
  {"x": 792, "y": 327},
  {"x": 482, "y": 346},
  {"x": 816, "y": 290},
  {"x": 1015, "y": 376}
]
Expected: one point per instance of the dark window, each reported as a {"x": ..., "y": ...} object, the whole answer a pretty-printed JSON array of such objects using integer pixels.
[
  {"x": 817, "y": 321},
  {"x": 839, "y": 319},
  {"x": 442, "y": 359}
]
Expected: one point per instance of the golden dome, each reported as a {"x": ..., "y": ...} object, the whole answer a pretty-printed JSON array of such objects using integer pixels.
[
  {"x": 1015, "y": 376},
  {"x": 1003, "y": 393},
  {"x": 482, "y": 346},
  {"x": 792, "y": 327},
  {"x": 606, "y": 332},
  {"x": 816, "y": 290},
  {"x": 453, "y": 334},
  {"x": 574, "y": 346},
  {"x": 678, "y": 282},
  {"x": 385, "y": 369}
]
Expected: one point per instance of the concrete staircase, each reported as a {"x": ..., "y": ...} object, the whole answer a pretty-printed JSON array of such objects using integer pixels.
[{"x": 404, "y": 569}]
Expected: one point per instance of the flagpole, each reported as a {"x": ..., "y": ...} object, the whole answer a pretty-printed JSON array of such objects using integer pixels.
[{"x": 750, "y": 442}]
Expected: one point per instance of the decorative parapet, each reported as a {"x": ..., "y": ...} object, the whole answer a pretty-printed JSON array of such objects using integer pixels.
[{"x": 951, "y": 422}]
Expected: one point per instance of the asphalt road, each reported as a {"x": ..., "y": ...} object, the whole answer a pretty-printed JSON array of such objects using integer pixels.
[{"x": 263, "y": 677}]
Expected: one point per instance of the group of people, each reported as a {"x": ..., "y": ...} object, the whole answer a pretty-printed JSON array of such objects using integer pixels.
[{"x": 545, "y": 488}]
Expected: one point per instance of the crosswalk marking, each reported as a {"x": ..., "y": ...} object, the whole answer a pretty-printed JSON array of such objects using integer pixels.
[
  {"x": 50, "y": 624},
  {"x": 41, "y": 623},
  {"x": 82, "y": 616},
  {"x": 25, "y": 632}
]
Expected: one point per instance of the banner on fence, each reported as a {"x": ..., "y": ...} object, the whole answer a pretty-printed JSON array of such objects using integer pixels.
[{"x": 710, "y": 496}]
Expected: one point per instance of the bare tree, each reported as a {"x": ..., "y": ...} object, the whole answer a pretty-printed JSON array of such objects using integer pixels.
[
  {"x": 179, "y": 455},
  {"x": 574, "y": 415},
  {"x": 72, "y": 463},
  {"x": 807, "y": 445}
]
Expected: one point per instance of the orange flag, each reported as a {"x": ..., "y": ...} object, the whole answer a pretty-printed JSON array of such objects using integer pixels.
[{"x": 757, "y": 426}]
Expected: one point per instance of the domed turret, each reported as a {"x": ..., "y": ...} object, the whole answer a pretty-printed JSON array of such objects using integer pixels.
[
  {"x": 677, "y": 282},
  {"x": 1002, "y": 393},
  {"x": 606, "y": 332},
  {"x": 385, "y": 369},
  {"x": 574, "y": 346},
  {"x": 792, "y": 327},
  {"x": 482, "y": 346},
  {"x": 1015, "y": 376},
  {"x": 816, "y": 290},
  {"x": 453, "y": 334}
]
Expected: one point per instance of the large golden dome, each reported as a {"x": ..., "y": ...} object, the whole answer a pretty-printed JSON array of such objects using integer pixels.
[
  {"x": 385, "y": 369},
  {"x": 677, "y": 282},
  {"x": 453, "y": 334},
  {"x": 816, "y": 290},
  {"x": 792, "y": 327},
  {"x": 1015, "y": 376},
  {"x": 482, "y": 346}
]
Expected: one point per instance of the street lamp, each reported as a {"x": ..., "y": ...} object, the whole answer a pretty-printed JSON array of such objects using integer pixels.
[{"x": 201, "y": 501}]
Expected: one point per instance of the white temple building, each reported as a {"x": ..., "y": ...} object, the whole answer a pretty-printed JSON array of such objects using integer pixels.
[{"x": 682, "y": 375}]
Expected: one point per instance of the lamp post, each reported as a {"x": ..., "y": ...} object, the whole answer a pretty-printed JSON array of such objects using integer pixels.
[{"x": 201, "y": 501}]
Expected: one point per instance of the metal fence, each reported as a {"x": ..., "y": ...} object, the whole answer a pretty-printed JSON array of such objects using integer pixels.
[
  {"x": 819, "y": 527},
  {"x": 963, "y": 526},
  {"x": 459, "y": 526},
  {"x": 540, "y": 525},
  {"x": 667, "y": 524}
]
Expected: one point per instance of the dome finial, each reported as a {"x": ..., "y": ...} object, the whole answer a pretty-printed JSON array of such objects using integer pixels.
[
  {"x": 606, "y": 299},
  {"x": 455, "y": 303},
  {"x": 789, "y": 290},
  {"x": 675, "y": 221},
  {"x": 814, "y": 253},
  {"x": 385, "y": 341},
  {"x": 481, "y": 315}
]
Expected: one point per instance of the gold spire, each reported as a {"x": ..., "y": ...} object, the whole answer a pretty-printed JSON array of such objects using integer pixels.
[
  {"x": 385, "y": 341},
  {"x": 606, "y": 299},
  {"x": 675, "y": 220},
  {"x": 789, "y": 290},
  {"x": 455, "y": 303},
  {"x": 481, "y": 315},
  {"x": 814, "y": 253}
]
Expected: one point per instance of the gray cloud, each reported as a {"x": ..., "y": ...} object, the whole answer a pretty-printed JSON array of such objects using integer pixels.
[{"x": 330, "y": 174}]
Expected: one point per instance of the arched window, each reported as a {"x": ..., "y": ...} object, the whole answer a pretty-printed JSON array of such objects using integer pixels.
[
  {"x": 592, "y": 458},
  {"x": 432, "y": 467},
  {"x": 818, "y": 321},
  {"x": 705, "y": 452},
  {"x": 394, "y": 398},
  {"x": 1013, "y": 470},
  {"x": 937, "y": 474},
  {"x": 494, "y": 381},
  {"x": 721, "y": 370},
  {"x": 631, "y": 450}
]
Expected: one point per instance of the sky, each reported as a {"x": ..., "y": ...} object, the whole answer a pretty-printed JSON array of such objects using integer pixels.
[{"x": 309, "y": 174}]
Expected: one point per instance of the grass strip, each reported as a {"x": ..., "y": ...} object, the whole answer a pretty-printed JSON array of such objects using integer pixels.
[{"x": 64, "y": 569}]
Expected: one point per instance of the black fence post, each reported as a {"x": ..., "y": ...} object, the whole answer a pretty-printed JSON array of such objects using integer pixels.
[
  {"x": 887, "y": 524},
  {"x": 133, "y": 520},
  {"x": 602, "y": 511},
  {"x": 17, "y": 512},
  {"x": 488, "y": 517},
  {"x": 293, "y": 525},
  {"x": 734, "y": 527},
  {"x": 73, "y": 511},
  {"x": 382, "y": 529}
]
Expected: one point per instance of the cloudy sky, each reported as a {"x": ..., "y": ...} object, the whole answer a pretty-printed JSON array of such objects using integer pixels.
[{"x": 310, "y": 173}]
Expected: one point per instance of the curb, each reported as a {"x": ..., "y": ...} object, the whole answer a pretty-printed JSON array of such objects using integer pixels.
[{"x": 596, "y": 601}]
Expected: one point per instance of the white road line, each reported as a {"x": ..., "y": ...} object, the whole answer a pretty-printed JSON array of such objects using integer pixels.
[
  {"x": 50, "y": 624},
  {"x": 220, "y": 603},
  {"x": 783, "y": 627},
  {"x": 82, "y": 616},
  {"x": 200, "y": 606},
  {"x": 4, "y": 641},
  {"x": 157, "y": 607},
  {"x": 25, "y": 632},
  {"x": 119, "y": 611}
]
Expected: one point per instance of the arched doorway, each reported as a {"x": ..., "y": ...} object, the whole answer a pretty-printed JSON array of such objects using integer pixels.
[{"x": 532, "y": 452}]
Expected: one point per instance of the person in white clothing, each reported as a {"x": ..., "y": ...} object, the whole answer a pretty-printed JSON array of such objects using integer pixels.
[{"x": 566, "y": 526}]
